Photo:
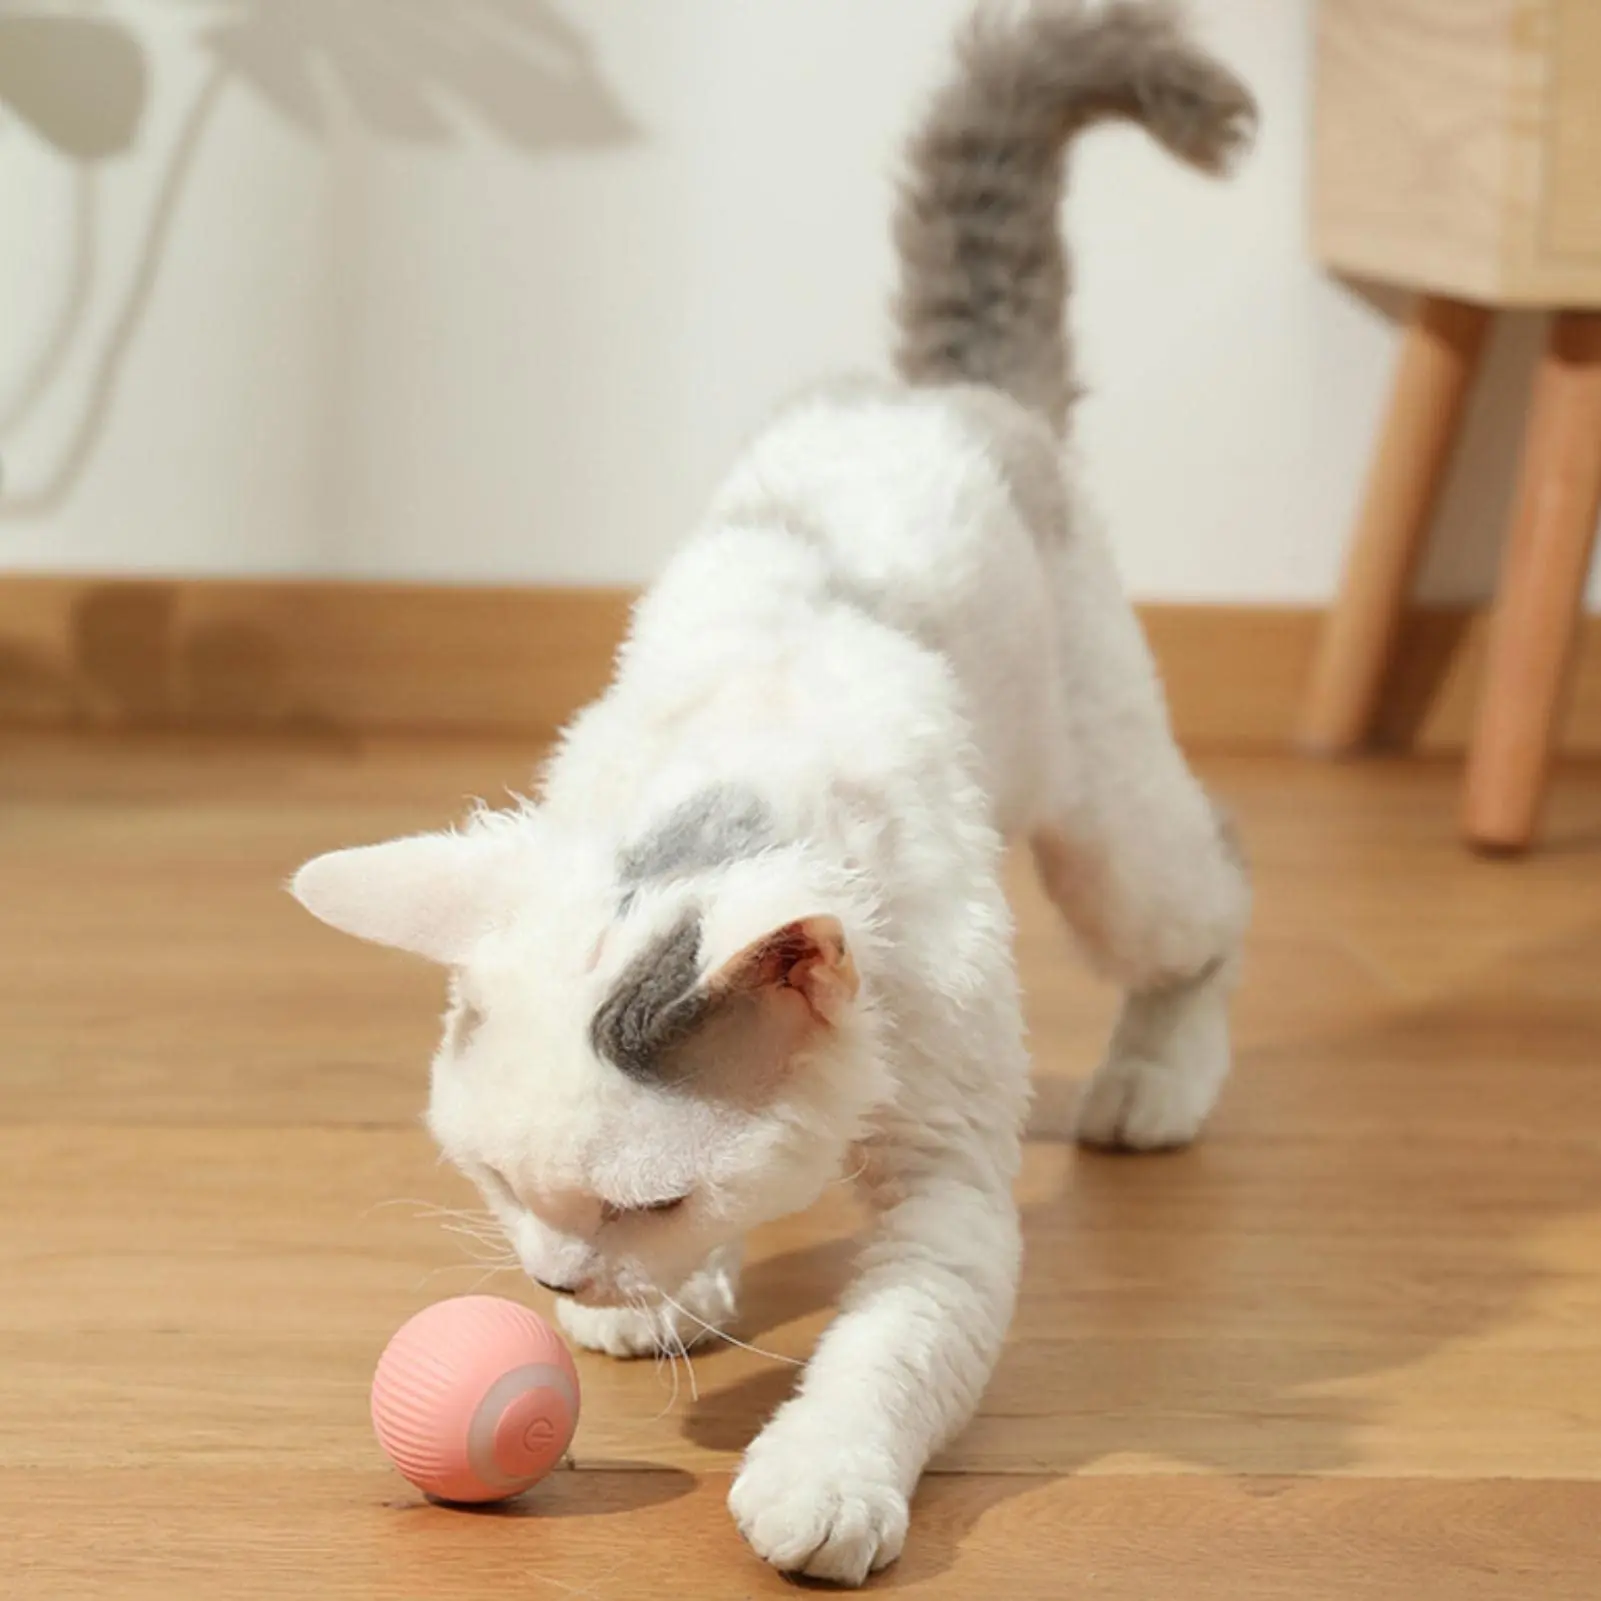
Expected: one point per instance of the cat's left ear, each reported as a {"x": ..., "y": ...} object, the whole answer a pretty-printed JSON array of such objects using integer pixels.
[{"x": 432, "y": 894}]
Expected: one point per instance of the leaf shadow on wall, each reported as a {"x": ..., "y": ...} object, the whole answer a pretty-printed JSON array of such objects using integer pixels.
[{"x": 408, "y": 72}]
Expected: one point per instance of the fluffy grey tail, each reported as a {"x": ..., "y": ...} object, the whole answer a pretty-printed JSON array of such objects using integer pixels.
[{"x": 984, "y": 275}]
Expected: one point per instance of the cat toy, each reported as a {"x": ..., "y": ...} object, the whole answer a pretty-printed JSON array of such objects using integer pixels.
[{"x": 475, "y": 1399}]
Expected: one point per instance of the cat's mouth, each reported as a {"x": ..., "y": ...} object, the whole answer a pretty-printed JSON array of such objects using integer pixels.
[
  {"x": 601, "y": 1282},
  {"x": 604, "y": 1291}
]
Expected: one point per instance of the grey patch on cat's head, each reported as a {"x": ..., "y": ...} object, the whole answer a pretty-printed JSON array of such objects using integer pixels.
[
  {"x": 724, "y": 823},
  {"x": 656, "y": 1003}
]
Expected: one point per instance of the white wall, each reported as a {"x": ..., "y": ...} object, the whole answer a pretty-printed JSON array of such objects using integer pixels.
[{"x": 499, "y": 312}]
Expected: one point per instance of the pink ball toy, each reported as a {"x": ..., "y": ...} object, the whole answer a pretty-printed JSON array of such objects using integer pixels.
[{"x": 475, "y": 1399}]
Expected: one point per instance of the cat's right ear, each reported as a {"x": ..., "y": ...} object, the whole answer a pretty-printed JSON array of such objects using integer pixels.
[{"x": 433, "y": 894}]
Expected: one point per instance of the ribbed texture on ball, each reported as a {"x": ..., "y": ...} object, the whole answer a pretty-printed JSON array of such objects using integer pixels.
[{"x": 435, "y": 1377}]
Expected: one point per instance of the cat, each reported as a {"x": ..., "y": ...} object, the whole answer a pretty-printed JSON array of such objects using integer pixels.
[{"x": 749, "y": 937}]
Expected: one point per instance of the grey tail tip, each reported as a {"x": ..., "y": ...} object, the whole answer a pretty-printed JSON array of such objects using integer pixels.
[
  {"x": 1072, "y": 63},
  {"x": 983, "y": 272}
]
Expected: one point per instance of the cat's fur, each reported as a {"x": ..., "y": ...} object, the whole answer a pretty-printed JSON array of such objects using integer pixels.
[{"x": 750, "y": 938}]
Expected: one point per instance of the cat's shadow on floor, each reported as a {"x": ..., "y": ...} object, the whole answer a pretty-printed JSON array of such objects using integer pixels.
[{"x": 1372, "y": 1195}]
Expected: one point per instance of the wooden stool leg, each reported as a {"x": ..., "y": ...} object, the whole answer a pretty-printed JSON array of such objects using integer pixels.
[
  {"x": 1541, "y": 589},
  {"x": 1439, "y": 355}
]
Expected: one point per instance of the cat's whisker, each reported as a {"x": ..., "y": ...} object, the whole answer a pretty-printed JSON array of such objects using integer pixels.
[
  {"x": 477, "y": 1231},
  {"x": 484, "y": 1258},
  {"x": 658, "y": 1333},
  {"x": 755, "y": 1350},
  {"x": 488, "y": 1258},
  {"x": 488, "y": 1253},
  {"x": 432, "y": 1209},
  {"x": 486, "y": 1276},
  {"x": 468, "y": 1232},
  {"x": 637, "y": 1302},
  {"x": 464, "y": 1267},
  {"x": 420, "y": 1208},
  {"x": 481, "y": 1229},
  {"x": 689, "y": 1365}
]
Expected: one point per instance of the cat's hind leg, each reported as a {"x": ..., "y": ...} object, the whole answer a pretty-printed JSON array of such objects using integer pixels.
[{"x": 1145, "y": 870}]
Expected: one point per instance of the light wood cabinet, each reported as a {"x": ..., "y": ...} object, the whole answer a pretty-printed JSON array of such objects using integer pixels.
[
  {"x": 1456, "y": 151},
  {"x": 1457, "y": 147}
]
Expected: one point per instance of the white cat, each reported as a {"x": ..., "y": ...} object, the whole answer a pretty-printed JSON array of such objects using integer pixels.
[{"x": 750, "y": 936}]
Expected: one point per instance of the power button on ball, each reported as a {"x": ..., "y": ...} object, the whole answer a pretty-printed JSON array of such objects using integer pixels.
[{"x": 532, "y": 1433}]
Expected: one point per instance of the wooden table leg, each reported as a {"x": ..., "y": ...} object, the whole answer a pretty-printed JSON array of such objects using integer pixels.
[
  {"x": 1541, "y": 590},
  {"x": 1439, "y": 355}
]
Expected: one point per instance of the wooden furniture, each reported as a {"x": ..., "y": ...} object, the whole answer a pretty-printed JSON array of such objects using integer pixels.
[{"x": 1458, "y": 153}]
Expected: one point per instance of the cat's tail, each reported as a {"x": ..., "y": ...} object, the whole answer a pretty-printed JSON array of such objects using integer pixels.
[{"x": 983, "y": 272}]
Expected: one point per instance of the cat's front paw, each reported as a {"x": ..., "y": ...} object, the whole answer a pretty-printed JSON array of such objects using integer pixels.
[
  {"x": 823, "y": 1509},
  {"x": 623, "y": 1331},
  {"x": 704, "y": 1306}
]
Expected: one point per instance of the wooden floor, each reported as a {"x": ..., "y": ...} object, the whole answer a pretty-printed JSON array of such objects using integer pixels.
[{"x": 1348, "y": 1347}]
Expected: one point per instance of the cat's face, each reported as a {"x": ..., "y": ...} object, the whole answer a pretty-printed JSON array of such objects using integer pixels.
[{"x": 631, "y": 1081}]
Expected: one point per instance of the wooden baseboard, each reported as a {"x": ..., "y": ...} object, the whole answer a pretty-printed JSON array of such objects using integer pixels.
[
  {"x": 311, "y": 656},
  {"x": 356, "y": 658},
  {"x": 1235, "y": 677}
]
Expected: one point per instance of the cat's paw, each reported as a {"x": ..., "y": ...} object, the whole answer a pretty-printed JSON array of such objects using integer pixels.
[
  {"x": 824, "y": 1510},
  {"x": 706, "y": 1304},
  {"x": 1135, "y": 1104},
  {"x": 1167, "y": 1061},
  {"x": 623, "y": 1331}
]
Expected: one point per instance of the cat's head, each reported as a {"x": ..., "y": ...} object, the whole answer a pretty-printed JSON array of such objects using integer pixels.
[{"x": 633, "y": 1071}]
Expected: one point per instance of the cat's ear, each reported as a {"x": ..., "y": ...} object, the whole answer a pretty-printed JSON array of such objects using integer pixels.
[
  {"x": 761, "y": 1004},
  {"x": 433, "y": 894},
  {"x": 804, "y": 961},
  {"x": 775, "y": 930}
]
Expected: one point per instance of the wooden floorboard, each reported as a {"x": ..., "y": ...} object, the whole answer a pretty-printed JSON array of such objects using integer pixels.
[
  {"x": 1348, "y": 1346},
  {"x": 327, "y": 1533}
]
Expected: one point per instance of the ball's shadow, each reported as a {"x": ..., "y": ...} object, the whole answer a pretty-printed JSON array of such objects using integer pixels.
[{"x": 599, "y": 1489}]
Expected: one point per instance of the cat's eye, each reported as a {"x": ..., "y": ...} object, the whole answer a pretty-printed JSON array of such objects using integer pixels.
[
  {"x": 496, "y": 1182},
  {"x": 465, "y": 1021},
  {"x": 610, "y": 1213}
]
